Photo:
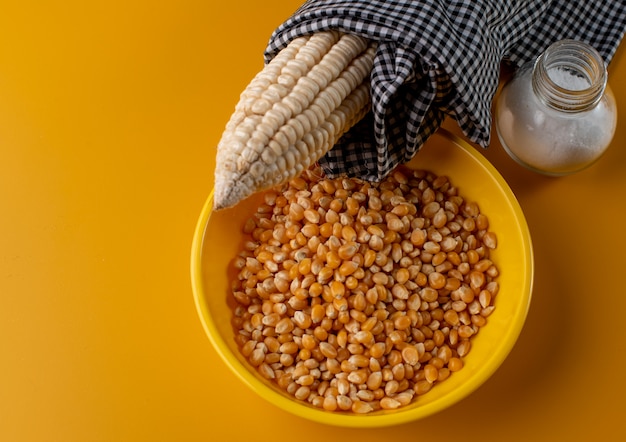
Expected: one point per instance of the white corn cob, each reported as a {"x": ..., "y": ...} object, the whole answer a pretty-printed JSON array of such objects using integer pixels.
[{"x": 292, "y": 113}]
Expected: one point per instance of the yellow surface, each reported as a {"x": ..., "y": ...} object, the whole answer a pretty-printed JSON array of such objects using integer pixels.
[
  {"x": 109, "y": 114},
  {"x": 218, "y": 239}
]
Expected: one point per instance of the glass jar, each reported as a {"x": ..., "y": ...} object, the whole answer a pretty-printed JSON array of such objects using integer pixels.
[{"x": 557, "y": 115}]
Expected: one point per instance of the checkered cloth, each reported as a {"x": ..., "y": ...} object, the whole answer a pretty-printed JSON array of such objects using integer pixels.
[{"x": 438, "y": 58}]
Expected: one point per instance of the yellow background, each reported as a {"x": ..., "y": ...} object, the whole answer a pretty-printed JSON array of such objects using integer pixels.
[{"x": 109, "y": 116}]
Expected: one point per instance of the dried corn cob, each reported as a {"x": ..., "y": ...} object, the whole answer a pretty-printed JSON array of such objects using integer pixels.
[{"x": 292, "y": 113}]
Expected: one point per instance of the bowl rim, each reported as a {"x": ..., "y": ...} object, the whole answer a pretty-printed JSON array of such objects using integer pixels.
[{"x": 379, "y": 419}]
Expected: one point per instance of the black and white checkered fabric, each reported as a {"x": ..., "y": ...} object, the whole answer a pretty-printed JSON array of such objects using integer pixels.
[{"x": 438, "y": 58}]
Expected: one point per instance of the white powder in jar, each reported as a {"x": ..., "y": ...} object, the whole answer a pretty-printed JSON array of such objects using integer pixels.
[
  {"x": 546, "y": 139},
  {"x": 568, "y": 79}
]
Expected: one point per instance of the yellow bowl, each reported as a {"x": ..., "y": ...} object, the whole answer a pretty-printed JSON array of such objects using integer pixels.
[{"x": 216, "y": 242}]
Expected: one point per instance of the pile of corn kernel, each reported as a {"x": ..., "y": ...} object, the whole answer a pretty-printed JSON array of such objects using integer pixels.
[{"x": 357, "y": 296}]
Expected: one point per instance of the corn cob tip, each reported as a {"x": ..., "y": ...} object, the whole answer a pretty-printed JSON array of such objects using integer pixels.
[
  {"x": 224, "y": 197},
  {"x": 229, "y": 191},
  {"x": 292, "y": 113}
]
